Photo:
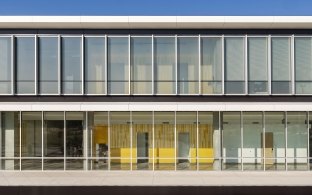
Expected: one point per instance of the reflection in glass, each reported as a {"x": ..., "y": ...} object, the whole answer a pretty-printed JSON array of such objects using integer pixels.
[
  {"x": 234, "y": 65},
  {"x": 186, "y": 151},
  {"x": 141, "y": 65},
  {"x": 281, "y": 72},
  {"x": 252, "y": 137},
  {"x": 95, "y": 65},
  {"x": 25, "y": 65},
  {"x": 164, "y": 62},
  {"x": 118, "y": 65},
  {"x": 297, "y": 141},
  {"x": 9, "y": 140},
  {"x": 209, "y": 141},
  {"x": 48, "y": 65},
  {"x": 164, "y": 151},
  {"x": 5, "y": 65},
  {"x": 98, "y": 140},
  {"x": 142, "y": 140},
  {"x": 257, "y": 65},
  {"x": 274, "y": 139},
  {"x": 120, "y": 147},
  {"x": 188, "y": 53},
  {"x": 231, "y": 149},
  {"x": 71, "y": 65},
  {"x": 211, "y": 67},
  {"x": 303, "y": 65}
]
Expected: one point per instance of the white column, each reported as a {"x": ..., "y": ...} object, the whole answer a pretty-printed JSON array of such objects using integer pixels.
[
  {"x": 8, "y": 129},
  {"x": 85, "y": 143},
  {"x": 216, "y": 141}
]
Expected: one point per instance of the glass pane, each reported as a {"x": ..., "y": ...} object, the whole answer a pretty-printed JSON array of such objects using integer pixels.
[
  {"x": 186, "y": 151},
  {"x": 5, "y": 65},
  {"x": 297, "y": 141},
  {"x": 118, "y": 65},
  {"x": 234, "y": 65},
  {"x": 164, "y": 151},
  {"x": 303, "y": 65},
  {"x": 142, "y": 140},
  {"x": 164, "y": 62},
  {"x": 274, "y": 139},
  {"x": 252, "y": 140},
  {"x": 281, "y": 73},
  {"x": 53, "y": 164},
  {"x": 231, "y": 130},
  {"x": 25, "y": 65},
  {"x": 257, "y": 65},
  {"x": 71, "y": 65},
  {"x": 53, "y": 134},
  {"x": 120, "y": 140},
  {"x": 74, "y": 164},
  {"x": 209, "y": 141},
  {"x": 188, "y": 52},
  {"x": 9, "y": 140},
  {"x": 95, "y": 65},
  {"x": 98, "y": 140},
  {"x": 211, "y": 67},
  {"x": 48, "y": 65},
  {"x": 141, "y": 65},
  {"x": 31, "y": 134},
  {"x": 74, "y": 134},
  {"x": 31, "y": 164}
]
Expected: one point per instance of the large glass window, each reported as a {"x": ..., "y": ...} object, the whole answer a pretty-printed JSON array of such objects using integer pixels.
[
  {"x": 186, "y": 140},
  {"x": 25, "y": 65},
  {"x": 303, "y": 65},
  {"x": 231, "y": 139},
  {"x": 120, "y": 141},
  {"x": 297, "y": 141},
  {"x": 53, "y": 140},
  {"x": 142, "y": 140},
  {"x": 118, "y": 65},
  {"x": 5, "y": 65},
  {"x": 188, "y": 65},
  {"x": 48, "y": 65},
  {"x": 252, "y": 140},
  {"x": 95, "y": 65},
  {"x": 274, "y": 141},
  {"x": 164, "y": 127},
  {"x": 71, "y": 65},
  {"x": 164, "y": 63},
  {"x": 257, "y": 65},
  {"x": 141, "y": 65},
  {"x": 234, "y": 65},
  {"x": 281, "y": 73},
  {"x": 209, "y": 141},
  {"x": 9, "y": 140},
  {"x": 98, "y": 140},
  {"x": 211, "y": 67}
]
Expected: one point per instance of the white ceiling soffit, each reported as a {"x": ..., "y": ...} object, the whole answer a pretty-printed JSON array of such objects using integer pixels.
[{"x": 157, "y": 22}]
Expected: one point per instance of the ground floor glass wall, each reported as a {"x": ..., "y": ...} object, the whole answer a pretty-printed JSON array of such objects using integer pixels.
[{"x": 251, "y": 141}]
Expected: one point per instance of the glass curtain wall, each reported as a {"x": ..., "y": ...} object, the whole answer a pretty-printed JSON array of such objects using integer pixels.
[
  {"x": 234, "y": 62},
  {"x": 164, "y": 65},
  {"x": 5, "y": 65},
  {"x": 211, "y": 65},
  {"x": 94, "y": 59}
]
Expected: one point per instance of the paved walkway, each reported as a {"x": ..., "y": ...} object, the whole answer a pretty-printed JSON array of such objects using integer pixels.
[{"x": 161, "y": 178}]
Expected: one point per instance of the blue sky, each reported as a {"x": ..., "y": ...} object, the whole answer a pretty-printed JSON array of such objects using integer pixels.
[{"x": 156, "y": 7}]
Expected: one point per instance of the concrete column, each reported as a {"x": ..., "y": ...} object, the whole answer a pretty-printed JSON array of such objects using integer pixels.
[
  {"x": 84, "y": 142},
  {"x": 8, "y": 128},
  {"x": 216, "y": 141}
]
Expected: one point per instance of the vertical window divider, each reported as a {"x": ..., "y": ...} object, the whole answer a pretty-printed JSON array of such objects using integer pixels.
[
  {"x": 42, "y": 142},
  {"x": 197, "y": 159},
  {"x": 59, "y": 65},
  {"x": 153, "y": 142},
  {"x": 269, "y": 65},
  {"x": 246, "y": 64},
  {"x": 131, "y": 144},
  {"x": 12, "y": 65},
  {"x": 64, "y": 140},
  {"x": 221, "y": 137},
  {"x": 292, "y": 64},
  {"x": 105, "y": 67},
  {"x": 175, "y": 140},
  {"x": 129, "y": 61},
  {"x": 20, "y": 140},
  {"x": 199, "y": 65},
  {"x": 176, "y": 64},
  {"x": 263, "y": 139},
  {"x": 82, "y": 66},
  {"x": 308, "y": 129},
  {"x": 152, "y": 82},
  {"x": 109, "y": 145},
  {"x": 242, "y": 140},
  {"x": 222, "y": 64},
  {"x": 86, "y": 155},
  {"x": 286, "y": 142},
  {"x": 36, "y": 65}
]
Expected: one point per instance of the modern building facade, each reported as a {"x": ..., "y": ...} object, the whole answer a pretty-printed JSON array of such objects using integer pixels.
[{"x": 156, "y": 93}]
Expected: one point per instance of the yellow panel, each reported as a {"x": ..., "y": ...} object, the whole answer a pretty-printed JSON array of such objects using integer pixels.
[
  {"x": 100, "y": 135},
  {"x": 205, "y": 153}
]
